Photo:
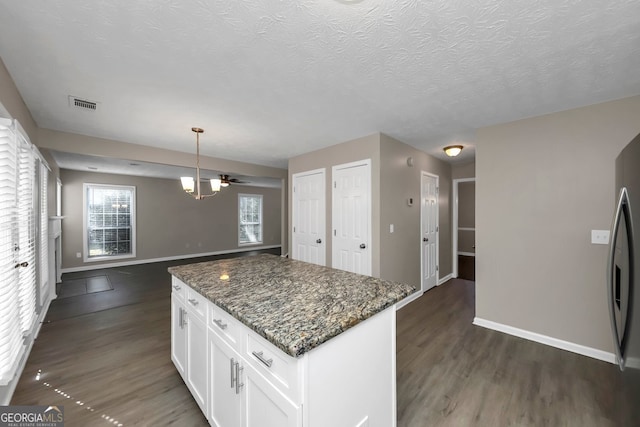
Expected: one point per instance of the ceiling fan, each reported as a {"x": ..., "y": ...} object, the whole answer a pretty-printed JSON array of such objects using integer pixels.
[{"x": 225, "y": 181}]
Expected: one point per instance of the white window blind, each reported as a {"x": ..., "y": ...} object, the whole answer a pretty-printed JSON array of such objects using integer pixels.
[
  {"x": 20, "y": 228},
  {"x": 26, "y": 232},
  {"x": 10, "y": 332}
]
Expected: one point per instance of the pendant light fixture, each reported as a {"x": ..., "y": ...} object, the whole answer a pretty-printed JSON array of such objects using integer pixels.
[
  {"x": 453, "y": 150},
  {"x": 188, "y": 184}
]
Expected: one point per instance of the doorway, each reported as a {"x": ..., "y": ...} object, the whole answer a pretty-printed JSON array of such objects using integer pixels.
[
  {"x": 464, "y": 229},
  {"x": 351, "y": 217}
]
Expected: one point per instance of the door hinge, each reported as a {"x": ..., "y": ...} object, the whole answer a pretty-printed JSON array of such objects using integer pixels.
[
  {"x": 294, "y": 229},
  {"x": 335, "y": 184},
  {"x": 437, "y": 268},
  {"x": 437, "y": 229},
  {"x": 334, "y": 233},
  {"x": 437, "y": 190}
]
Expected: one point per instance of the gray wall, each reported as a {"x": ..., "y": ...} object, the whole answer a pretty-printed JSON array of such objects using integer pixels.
[
  {"x": 169, "y": 222},
  {"x": 367, "y": 147},
  {"x": 542, "y": 184},
  {"x": 463, "y": 170},
  {"x": 400, "y": 250},
  {"x": 395, "y": 256}
]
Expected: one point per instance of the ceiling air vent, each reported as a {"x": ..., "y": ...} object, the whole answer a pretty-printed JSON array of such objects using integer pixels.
[{"x": 82, "y": 104}]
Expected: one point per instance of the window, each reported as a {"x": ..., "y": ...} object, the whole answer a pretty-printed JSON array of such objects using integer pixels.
[
  {"x": 250, "y": 218},
  {"x": 109, "y": 214}
]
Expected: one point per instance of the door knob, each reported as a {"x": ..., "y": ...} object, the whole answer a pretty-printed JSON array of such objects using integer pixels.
[
  {"x": 319, "y": 241},
  {"x": 362, "y": 246},
  {"x": 425, "y": 239}
]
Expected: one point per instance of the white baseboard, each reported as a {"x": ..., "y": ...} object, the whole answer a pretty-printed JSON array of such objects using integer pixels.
[
  {"x": 544, "y": 339},
  {"x": 445, "y": 278},
  {"x": 408, "y": 299},
  {"x": 168, "y": 258}
]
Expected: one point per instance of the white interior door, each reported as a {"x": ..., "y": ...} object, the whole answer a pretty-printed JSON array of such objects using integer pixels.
[
  {"x": 351, "y": 216},
  {"x": 429, "y": 228},
  {"x": 308, "y": 217}
]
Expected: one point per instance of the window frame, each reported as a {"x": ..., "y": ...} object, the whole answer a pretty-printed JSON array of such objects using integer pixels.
[
  {"x": 260, "y": 223},
  {"x": 85, "y": 223}
]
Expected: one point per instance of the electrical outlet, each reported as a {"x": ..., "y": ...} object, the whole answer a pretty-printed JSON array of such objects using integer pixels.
[
  {"x": 78, "y": 254},
  {"x": 600, "y": 237}
]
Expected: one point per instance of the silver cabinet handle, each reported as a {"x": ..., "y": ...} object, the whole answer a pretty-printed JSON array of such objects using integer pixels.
[
  {"x": 193, "y": 302},
  {"x": 260, "y": 356},
  {"x": 239, "y": 385},
  {"x": 180, "y": 319},
  {"x": 176, "y": 287},
  {"x": 233, "y": 364},
  {"x": 220, "y": 324}
]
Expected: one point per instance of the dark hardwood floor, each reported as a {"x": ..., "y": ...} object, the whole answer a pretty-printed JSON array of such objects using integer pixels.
[{"x": 105, "y": 356}]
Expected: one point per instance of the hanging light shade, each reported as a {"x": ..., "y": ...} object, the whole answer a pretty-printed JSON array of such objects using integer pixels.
[
  {"x": 192, "y": 186},
  {"x": 453, "y": 150}
]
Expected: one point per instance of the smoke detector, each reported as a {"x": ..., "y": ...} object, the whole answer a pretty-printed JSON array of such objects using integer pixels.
[{"x": 82, "y": 104}]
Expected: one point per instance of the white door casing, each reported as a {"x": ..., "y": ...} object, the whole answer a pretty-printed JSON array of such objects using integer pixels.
[
  {"x": 351, "y": 217},
  {"x": 308, "y": 217},
  {"x": 429, "y": 228}
]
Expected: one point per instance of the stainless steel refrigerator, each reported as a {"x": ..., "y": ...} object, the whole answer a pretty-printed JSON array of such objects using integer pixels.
[{"x": 623, "y": 284}]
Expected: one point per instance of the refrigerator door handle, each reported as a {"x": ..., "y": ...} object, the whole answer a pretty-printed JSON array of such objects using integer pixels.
[{"x": 620, "y": 206}]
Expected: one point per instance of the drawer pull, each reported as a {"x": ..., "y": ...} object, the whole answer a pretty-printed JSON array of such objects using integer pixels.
[
  {"x": 176, "y": 287},
  {"x": 220, "y": 324},
  {"x": 193, "y": 302},
  {"x": 260, "y": 356}
]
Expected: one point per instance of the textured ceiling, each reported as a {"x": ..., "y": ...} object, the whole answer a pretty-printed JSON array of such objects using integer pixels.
[{"x": 272, "y": 79}]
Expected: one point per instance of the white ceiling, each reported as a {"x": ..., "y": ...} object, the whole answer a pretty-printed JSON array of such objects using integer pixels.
[{"x": 272, "y": 79}]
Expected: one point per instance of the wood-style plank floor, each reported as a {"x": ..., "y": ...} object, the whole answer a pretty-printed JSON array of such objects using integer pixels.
[{"x": 105, "y": 356}]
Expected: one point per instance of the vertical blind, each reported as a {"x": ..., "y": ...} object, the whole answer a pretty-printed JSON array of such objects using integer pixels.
[
  {"x": 43, "y": 233},
  {"x": 21, "y": 216}
]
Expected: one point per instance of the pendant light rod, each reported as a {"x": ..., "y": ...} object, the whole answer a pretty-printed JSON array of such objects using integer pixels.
[{"x": 187, "y": 182}]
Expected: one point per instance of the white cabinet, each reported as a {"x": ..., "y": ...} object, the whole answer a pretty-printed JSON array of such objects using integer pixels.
[
  {"x": 225, "y": 409},
  {"x": 240, "y": 379},
  {"x": 189, "y": 342},
  {"x": 240, "y": 396}
]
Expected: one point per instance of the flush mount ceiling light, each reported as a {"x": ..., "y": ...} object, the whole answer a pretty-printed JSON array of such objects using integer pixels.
[
  {"x": 188, "y": 182},
  {"x": 453, "y": 150}
]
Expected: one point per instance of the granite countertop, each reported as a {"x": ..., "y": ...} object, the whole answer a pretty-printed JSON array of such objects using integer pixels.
[{"x": 293, "y": 304}]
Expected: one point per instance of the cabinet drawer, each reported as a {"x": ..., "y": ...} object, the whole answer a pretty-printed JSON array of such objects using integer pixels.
[
  {"x": 225, "y": 326},
  {"x": 178, "y": 288},
  {"x": 274, "y": 364},
  {"x": 197, "y": 304}
]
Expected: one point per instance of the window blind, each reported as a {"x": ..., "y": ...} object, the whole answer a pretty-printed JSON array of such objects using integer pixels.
[
  {"x": 44, "y": 232},
  {"x": 26, "y": 235},
  {"x": 11, "y": 342}
]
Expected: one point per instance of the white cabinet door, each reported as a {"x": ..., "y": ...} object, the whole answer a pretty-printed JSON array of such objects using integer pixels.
[
  {"x": 225, "y": 402},
  {"x": 178, "y": 335},
  {"x": 197, "y": 360},
  {"x": 264, "y": 405}
]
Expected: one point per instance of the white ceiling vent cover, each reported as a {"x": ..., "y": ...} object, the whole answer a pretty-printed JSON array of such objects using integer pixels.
[{"x": 82, "y": 104}]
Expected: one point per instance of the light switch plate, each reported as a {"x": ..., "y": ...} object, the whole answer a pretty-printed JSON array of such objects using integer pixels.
[
  {"x": 600, "y": 237},
  {"x": 390, "y": 228}
]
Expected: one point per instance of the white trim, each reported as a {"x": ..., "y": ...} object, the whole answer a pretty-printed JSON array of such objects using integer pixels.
[
  {"x": 454, "y": 228},
  {"x": 466, "y": 253},
  {"x": 466, "y": 229},
  {"x": 445, "y": 279},
  {"x": 85, "y": 223},
  {"x": 550, "y": 341},
  {"x": 168, "y": 258}
]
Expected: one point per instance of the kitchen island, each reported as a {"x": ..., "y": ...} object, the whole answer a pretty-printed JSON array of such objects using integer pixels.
[{"x": 269, "y": 341}]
